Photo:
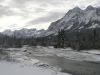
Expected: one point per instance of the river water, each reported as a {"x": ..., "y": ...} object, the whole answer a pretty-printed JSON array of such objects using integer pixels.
[
  {"x": 72, "y": 66},
  {"x": 47, "y": 64},
  {"x": 11, "y": 65}
]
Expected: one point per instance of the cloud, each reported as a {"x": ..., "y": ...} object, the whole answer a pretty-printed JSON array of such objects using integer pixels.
[
  {"x": 39, "y": 9},
  {"x": 34, "y": 13},
  {"x": 51, "y": 16},
  {"x": 5, "y": 11}
]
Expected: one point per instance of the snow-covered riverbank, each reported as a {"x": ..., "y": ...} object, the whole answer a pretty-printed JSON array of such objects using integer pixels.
[
  {"x": 85, "y": 55},
  {"x": 56, "y": 60},
  {"x": 11, "y": 68},
  {"x": 19, "y": 63}
]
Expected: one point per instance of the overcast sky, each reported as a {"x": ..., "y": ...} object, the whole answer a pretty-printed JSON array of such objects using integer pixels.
[{"x": 17, "y": 14}]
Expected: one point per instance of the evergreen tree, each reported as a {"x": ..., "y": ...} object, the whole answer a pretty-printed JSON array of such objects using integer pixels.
[
  {"x": 60, "y": 41},
  {"x": 95, "y": 38}
]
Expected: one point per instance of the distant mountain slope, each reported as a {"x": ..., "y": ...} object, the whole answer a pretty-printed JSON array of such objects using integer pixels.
[
  {"x": 24, "y": 33},
  {"x": 77, "y": 19}
]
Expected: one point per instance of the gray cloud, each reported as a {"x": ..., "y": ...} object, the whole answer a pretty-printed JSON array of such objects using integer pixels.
[
  {"x": 40, "y": 1},
  {"x": 39, "y": 9},
  {"x": 41, "y": 5},
  {"x": 1, "y": 0},
  {"x": 51, "y": 16},
  {"x": 36, "y": 9},
  {"x": 5, "y": 11}
]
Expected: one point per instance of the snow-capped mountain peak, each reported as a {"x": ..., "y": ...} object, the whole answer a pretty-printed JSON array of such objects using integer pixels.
[
  {"x": 77, "y": 19},
  {"x": 24, "y": 33},
  {"x": 90, "y": 8},
  {"x": 76, "y": 9}
]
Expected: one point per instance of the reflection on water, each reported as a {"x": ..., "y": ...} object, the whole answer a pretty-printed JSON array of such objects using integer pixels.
[{"x": 72, "y": 66}]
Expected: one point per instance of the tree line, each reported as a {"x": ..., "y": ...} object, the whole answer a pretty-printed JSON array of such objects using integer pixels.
[{"x": 79, "y": 40}]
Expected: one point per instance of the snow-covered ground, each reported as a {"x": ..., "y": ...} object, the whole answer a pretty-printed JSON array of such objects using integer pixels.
[{"x": 96, "y": 52}]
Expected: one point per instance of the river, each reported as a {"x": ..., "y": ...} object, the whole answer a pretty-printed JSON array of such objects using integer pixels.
[{"x": 39, "y": 62}]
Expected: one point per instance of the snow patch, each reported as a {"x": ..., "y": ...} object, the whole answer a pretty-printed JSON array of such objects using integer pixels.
[
  {"x": 96, "y": 52},
  {"x": 93, "y": 26},
  {"x": 69, "y": 27},
  {"x": 81, "y": 27}
]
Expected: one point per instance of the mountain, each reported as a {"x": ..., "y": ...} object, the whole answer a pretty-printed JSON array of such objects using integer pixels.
[
  {"x": 24, "y": 33},
  {"x": 76, "y": 19}
]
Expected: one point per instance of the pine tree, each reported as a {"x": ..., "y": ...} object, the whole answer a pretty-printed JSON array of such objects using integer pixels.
[
  {"x": 94, "y": 38},
  {"x": 60, "y": 41}
]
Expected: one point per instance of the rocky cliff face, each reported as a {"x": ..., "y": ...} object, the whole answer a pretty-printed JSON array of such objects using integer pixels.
[{"x": 77, "y": 19}]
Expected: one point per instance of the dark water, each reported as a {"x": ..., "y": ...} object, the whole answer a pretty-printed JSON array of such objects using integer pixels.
[{"x": 72, "y": 66}]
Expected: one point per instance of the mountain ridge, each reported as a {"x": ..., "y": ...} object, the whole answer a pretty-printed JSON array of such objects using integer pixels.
[
  {"x": 75, "y": 19},
  {"x": 24, "y": 33}
]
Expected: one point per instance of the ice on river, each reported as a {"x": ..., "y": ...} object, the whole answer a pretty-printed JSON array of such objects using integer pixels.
[
  {"x": 27, "y": 55},
  {"x": 91, "y": 55}
]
